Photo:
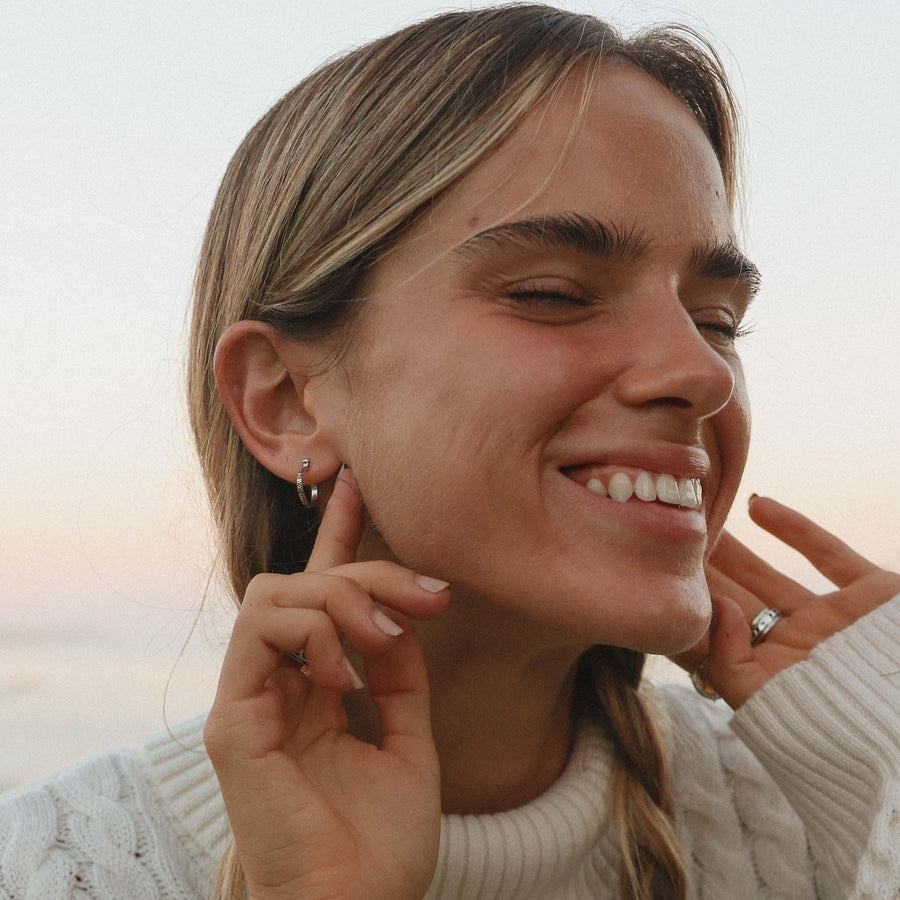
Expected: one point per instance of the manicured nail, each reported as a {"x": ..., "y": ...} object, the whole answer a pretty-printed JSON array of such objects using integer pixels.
[
  {"x": 432, "y": 585},
  {"x": 352, "y": 674},
  {"x": 386, "y": 624}
]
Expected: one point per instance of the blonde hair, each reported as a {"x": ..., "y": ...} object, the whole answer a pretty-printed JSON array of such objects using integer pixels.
[{"x": 317, "y": 192}]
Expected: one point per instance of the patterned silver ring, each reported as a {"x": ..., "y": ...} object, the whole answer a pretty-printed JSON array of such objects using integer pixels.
[
  {"x": 312, "y": 499},
  {"x": 763, "y": 622}
]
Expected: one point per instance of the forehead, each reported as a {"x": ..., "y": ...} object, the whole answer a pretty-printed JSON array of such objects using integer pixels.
[{"x": 625, "y": 150}]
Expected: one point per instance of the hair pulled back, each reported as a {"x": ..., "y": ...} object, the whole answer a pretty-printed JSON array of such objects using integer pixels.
[{"x": 320, "y": 189}]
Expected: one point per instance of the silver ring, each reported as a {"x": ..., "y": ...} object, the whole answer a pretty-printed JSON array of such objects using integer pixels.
[
  {"x": 763, "y": 622},
  {"x": 299, "y": 657},
  {"x": 701, "y": 686}
]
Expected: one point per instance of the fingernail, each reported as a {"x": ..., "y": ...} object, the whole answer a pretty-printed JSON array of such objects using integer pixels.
[
  {"x": 751, "y": 498},
  {"x": 432, "y": 585},
  {"x": 386, "y": 624},
  {"x": 352, "y": 674}
]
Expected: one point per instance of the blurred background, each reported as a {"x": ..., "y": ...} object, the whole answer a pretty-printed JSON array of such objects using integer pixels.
[{"x": 119, "y": 119}]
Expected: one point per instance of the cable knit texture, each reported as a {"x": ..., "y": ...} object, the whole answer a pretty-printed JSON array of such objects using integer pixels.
[{"x": 796, "y": 796}]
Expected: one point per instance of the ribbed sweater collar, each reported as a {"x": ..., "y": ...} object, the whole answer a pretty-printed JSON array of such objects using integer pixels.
[
  {"x": 531, "y": 850},
  {"x": 535, "y": 849}
]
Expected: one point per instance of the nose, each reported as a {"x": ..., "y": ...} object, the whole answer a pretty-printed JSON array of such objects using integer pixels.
[{"x": 674, "y": 366}]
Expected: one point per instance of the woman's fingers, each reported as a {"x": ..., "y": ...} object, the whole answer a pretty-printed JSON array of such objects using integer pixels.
[
  {"x": 831, "y": 556},
  {"x": 398, "y": 684},
  {"x": 353, "y": 595},
  {"x": 738, "y": 563},
  {"x": 287, "y": 613},
  {"x": 745, "y": 586},
  {"x": 340, "y": 530},
  {"x": 259, "y": 642}
]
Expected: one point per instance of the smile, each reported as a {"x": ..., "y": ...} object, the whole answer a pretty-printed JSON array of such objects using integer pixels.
[{"x": 686, "y": 493}]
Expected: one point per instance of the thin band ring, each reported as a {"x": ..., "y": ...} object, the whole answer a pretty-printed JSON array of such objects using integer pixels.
[
  {"x": 763, "y": 622},
  {"x": 701, "y": 685}
]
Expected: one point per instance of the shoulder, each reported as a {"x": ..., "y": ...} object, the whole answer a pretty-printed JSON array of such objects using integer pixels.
[
  {"x": 102, "y": 829},
  {"x": 76, "y": 830},
  {"x": 804, "y": 777}
]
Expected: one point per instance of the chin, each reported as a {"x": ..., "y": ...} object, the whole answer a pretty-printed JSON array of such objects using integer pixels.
[
  {"x": 675, "y": 620},
  {"x": 672, "y": 642},
  {"x": 677, "y": 627}
]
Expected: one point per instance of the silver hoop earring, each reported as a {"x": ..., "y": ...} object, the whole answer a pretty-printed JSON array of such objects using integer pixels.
[{"x": 312, "y": 500}]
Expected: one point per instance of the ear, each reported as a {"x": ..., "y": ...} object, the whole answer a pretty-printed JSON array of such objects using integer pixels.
[{"x": 260, "y": 377}]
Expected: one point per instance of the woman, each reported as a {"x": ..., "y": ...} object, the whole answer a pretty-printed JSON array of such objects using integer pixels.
[{"x": 474, "y": 289}]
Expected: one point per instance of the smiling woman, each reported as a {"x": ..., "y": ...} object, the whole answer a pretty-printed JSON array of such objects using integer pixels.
[
  {"x": 475, "y": 289},
  {"x": 622, "y": 375}
]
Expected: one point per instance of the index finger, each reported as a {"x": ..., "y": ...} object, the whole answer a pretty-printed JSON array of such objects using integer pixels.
[
  {"x": 340, "y": 530},
  {"x": 831, "y": 556}
]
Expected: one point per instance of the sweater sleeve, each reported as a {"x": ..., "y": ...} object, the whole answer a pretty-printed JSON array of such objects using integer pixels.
[{"x": 828, "y": 732}]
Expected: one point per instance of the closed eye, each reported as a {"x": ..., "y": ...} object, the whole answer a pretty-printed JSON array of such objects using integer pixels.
[
  {"x": 540, "y": 295},
  {"x": 727, "y": 332}
]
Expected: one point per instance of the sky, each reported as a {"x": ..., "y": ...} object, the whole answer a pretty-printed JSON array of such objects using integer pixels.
[{"x": 119, "y": 119}]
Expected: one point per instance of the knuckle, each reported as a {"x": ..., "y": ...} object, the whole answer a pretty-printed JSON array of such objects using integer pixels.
[
  {"x": 260, "y": 589},
  {"x": 344, "y": 589},
  {"x": 319, "y": 619}
]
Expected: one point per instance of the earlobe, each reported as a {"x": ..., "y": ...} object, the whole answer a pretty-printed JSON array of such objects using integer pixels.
[{"x": 264, "y": 398}]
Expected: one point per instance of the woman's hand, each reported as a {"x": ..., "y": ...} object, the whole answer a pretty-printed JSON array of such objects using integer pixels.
[
  {"x": 742, "y": 585},
  {"x": 315, "y": 812}
]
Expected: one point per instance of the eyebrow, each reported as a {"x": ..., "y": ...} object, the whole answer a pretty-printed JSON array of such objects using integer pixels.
[
  {"x": 725, "y": 262},
  {"x": 606, "y": 241},
  {"x": 581, "y": 234}
]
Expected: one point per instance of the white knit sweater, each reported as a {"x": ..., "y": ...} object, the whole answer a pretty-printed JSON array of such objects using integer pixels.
[{"x": 796, "y": 796}]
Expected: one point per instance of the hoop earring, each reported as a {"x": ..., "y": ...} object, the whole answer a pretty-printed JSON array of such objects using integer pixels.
[{"x": 312, "y": 500}]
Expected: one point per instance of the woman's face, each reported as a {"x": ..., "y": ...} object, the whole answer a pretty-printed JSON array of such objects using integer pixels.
[{"x": 565, "y": 313}]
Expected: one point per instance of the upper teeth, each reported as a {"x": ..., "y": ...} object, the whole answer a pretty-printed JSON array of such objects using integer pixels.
[{"x": 666, "y": 488}]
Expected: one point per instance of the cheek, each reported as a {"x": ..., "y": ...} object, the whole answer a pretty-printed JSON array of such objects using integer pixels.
[
  {"x": 436, "y": 431},
  {"x": 731, "y": 438},
  {"x": 413, "y": 435},
  {"x": 487, "y": 379},
  {"x": 738, "y": 424}
]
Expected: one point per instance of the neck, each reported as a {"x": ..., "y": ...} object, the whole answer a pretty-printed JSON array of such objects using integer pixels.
[
  {"x": 503, "y": 728},
  {"x": 502, "y": 705}
]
